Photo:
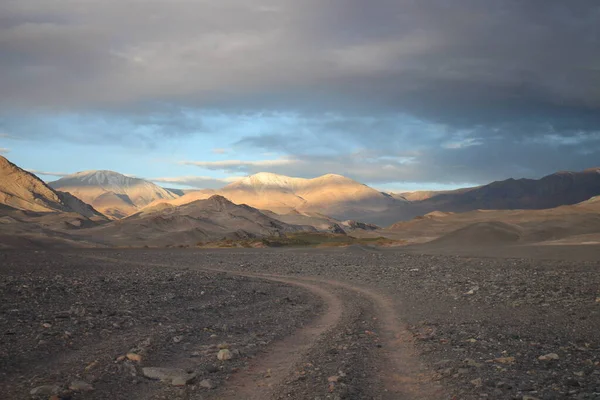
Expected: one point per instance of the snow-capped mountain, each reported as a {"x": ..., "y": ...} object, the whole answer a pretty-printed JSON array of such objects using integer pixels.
[
  {"x": 333, "y": 195},
  {"x": 114, "y": 194}
]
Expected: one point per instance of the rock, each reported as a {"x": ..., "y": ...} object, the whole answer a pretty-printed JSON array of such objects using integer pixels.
[
  {"x": 92, "y": 365},
  {"x": 176, "y": 376},
  {"x": 549, "y": 357},
  {"x": 134, "y": 357},
  {"x": 47, "y": 325},
  {"x": 472, "y": 291},
  {"x": 223, "y": 346},
  {"x": 45, "y": 390},
  {"x": 526, "y": 397},
  {"x": 207, "y": 384},
  {"x": 177, "y": 339},
  {"x": 211, "y": 369},
  {"x": 80, "y": 386},
  {"x": 471, "y": 363},
  {"x": 224, "y": 355},
  {"x": 334, "y": 378},
  {"x": 572, "y": 382},
  {"x": 477, "y": 382},
  {"x": 505, "y": 360}
]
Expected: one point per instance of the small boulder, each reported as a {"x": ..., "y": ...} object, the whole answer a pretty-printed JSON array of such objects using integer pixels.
[
  {"x": 134, "y": 357},
  {"x": 80, "y": 386},
  {"x": 207, "y": 384},
  {"x": 549, "y": 357},
  {"x": 224, "y": 355},
  {"x": 45, "y": 390},
  {"x": 175, "y": 376}
]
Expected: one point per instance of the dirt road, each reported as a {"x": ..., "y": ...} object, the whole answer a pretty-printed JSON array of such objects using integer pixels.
[{"x": 302, "y": 324}]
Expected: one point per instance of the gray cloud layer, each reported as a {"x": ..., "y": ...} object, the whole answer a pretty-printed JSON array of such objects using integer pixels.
[{"x": 517, "y": 80}]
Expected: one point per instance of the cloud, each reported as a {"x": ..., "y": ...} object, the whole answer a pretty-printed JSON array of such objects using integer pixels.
[
  {"x": 240, "y": 165},
  {"x": 221, "y": 151},
  {"x": 4, "y": 150},
  {"x": 202, "y": 182},
  {"x": 471, "y": 90},
  {"x": 38, "y": 172}
]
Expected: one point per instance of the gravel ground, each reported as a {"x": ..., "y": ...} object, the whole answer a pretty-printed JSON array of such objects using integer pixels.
[
  {"x": 65, "y": 318},
  {"x": 486, "y": 327}
]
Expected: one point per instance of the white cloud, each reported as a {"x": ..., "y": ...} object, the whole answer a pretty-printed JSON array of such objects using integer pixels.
[
  {"x": 461, "y": 144},
  {"x": 38, "y": 172},
  {"x": 201, "y": 182},
  {"x": 221, "y": 151},
  {"x": 4, "y": 150},
  {"x": 241, "y": 165}
]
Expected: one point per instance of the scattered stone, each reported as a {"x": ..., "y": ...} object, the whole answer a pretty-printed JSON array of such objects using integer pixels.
[
  {"x": 91, "y": 365},
  {"x": 80, "y": 386},
  {"x": 211, "y": 369},
  {"x": 334, "y": 378},
  {"x": 477, "y": 382},
  {"x": 177, "y": 339},
  {"x": 471, "y": 363},
  {"x": 527, "y": 397},
  {"x": 47, "y": 325},
  {"x": 224, "y": 355},
  {"x": 45, "y": 390},
  {"x": 505, "y": 360},
  {"x": 472, "y": 291},
  {"x": 134, "y": 357},
  {"x": 121, "y": 358},
  {"x": 176, "y": 376},
  {"x": 207, "y": 384},
  {"x": 549, "y": 357}
]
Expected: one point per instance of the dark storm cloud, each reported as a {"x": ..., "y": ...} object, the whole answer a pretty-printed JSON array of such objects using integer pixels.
[{"x": 491, "y": 88}]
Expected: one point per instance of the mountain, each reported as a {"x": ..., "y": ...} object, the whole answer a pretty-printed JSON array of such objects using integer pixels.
[
  {"x": 561, "y": 188},
  {"x": 114, "y": 194},
  {"x": 201, "y": 221},
  {"x": 576, "y": 223},
  {"x": 555, "y": 190},
  {"x": 333, "y": 195},
  {"x": 22, "y": 190}
]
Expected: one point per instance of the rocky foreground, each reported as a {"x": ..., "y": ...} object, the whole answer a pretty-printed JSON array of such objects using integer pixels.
[{"x": 157, "y": 324}]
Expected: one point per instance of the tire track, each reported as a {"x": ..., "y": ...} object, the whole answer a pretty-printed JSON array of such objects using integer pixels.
[{"x": 404, "y": 378}]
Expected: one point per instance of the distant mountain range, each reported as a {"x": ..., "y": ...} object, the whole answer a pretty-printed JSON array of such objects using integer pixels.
[
  {"x": 113, "y": 194},
  {"x": 79, "y": 207},
  {"x": 332, "y": 195},
  {"x": 561, "y": 188}
]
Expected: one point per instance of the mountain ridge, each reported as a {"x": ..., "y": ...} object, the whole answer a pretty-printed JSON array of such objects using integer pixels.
[{"x": 115, "y": 194}]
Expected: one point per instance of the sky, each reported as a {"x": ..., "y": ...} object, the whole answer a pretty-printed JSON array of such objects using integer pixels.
[{"x": 397, "y": 94}]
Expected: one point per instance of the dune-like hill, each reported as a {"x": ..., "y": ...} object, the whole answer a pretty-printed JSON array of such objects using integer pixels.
[
  {"x": 201, "y": 221},
  {"x": 112, "y": 193},
  {"x": 492, "y": 233}
]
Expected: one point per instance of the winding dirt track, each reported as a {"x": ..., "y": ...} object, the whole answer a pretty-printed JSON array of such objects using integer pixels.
[{"x": 405, "y": 377}]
